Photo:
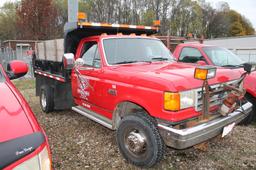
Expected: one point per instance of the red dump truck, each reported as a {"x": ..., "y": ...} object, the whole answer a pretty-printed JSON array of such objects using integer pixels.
[
  {"x": 127, "y": 80},
  {"x": 213, "y": 55}
]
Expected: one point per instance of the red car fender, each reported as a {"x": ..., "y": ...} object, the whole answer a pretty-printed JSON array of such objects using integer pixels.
[
  {"x": 25, "y": 107},
  {"x": 249, "y": 84},
  {"x": 30, "y": 116}
]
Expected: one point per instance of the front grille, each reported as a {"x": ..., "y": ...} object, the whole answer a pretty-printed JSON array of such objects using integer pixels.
[{"x": 218, "y": 94}]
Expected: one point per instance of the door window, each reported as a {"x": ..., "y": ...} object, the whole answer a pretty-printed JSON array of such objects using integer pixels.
[
  {"x": 190, "y": 55},
  {"x": 91, "y": 55}
]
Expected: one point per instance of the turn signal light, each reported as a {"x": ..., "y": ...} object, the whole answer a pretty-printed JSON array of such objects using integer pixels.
[
  {"x": 205, "y": 72},
  {"x": 171, "y": 101},
  {"x": 81, "y": 16},
  {"x": 157, "y": 23}
]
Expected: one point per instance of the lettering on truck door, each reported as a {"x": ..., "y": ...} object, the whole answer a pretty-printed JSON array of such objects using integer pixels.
[{"x": 85, "y": 81}]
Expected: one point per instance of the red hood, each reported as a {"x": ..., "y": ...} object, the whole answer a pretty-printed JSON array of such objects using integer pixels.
[
  {"x": 13, "y": 120},
  {"x": 170, "y": 76}
]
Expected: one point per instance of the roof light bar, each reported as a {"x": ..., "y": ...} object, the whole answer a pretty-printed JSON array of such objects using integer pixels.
[{"x": 94, "y": 24}]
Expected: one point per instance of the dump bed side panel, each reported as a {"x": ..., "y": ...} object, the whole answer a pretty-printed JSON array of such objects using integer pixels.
[{"x": 50, "y": 50}]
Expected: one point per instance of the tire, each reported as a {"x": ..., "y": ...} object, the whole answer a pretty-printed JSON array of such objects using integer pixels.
[
  {"x": 140, "y": 129},
  {"x": 252, "y": 116},
  {"x": 46, "y": 99}
]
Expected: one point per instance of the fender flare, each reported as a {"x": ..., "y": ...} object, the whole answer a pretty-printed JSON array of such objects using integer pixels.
[{"x": 125, "y": 105}]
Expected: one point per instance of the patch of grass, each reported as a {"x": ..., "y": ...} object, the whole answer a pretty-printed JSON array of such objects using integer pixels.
[{"x": 24, "y": 84}]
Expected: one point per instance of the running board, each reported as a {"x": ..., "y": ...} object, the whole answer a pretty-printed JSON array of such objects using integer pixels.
[{"x": 93, "y": 116}]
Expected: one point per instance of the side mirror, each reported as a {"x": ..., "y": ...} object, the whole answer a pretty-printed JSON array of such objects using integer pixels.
[
  {"x": 201, "y": 62},
  {"x": 68, "y": 61},
  {"x": 79, "y": 62},
  {"x": 16, "y": 69},
  {"x": 248, "y": 68}
]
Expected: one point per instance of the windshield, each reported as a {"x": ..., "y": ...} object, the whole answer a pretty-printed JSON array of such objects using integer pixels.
[
  {"x": 222, "y": 56},
  {"x": 132, "y": 50}
]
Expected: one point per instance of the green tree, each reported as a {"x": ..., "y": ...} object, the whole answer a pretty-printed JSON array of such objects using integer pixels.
[
  {"x": 239, "y": 25},
  {"x": 229, "y": 23},
  {"x": 8, "y": 21},
  {"x": 186, "y": 17},
  {"x": 219, "y": 26},
  {"x": 148, "y": 17},
  {"x": 249, "y": 30},
  {"x": 236, "y": 29},
  {"x": 208, "y": 14},
  {"x": 235, "y": 26}
]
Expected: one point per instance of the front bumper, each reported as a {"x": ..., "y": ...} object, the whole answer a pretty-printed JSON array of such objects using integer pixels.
[{"x": 184, "y": 138}]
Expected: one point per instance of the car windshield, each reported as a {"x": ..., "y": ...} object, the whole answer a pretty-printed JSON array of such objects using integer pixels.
[
  {"x": 222, "y": 57},
  {"x": 132, "y": 50}
]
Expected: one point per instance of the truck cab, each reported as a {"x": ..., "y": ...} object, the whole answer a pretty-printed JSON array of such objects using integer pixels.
[{"x": 125, "y": 79}]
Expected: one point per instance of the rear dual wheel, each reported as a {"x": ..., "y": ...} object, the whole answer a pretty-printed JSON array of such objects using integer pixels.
[
  {"x": 46, "y": 99},
  {"x": 139, "y": 140}
]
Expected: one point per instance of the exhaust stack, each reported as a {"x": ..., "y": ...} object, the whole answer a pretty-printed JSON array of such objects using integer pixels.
[{"x": 72, "y": 10}]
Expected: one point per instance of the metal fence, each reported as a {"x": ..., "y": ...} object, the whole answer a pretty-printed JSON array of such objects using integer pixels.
[
  {"x": 247, "y": 55},
  {"x": 7, "y": 54}
]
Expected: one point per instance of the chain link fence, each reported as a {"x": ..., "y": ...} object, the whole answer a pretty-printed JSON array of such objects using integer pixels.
[
  {"x": 247, "y": 55},
  {"x": 21, "y": 53}
]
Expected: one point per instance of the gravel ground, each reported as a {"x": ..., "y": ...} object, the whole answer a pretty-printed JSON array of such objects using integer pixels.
[{"x": 79, "y": 143}]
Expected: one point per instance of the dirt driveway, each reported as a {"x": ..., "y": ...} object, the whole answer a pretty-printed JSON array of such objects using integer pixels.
[{"x": 79, "y": 143}]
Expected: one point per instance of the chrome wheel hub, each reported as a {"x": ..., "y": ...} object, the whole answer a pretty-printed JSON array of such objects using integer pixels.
[
  {"x": 43, "y": 100},
  {"x": 136, "y": 142}
]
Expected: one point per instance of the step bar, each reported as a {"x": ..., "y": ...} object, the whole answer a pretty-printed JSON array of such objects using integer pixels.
[{"x": 93, "y": 116}]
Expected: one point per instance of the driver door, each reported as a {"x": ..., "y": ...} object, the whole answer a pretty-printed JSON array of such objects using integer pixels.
[{"x": 85, "y": 80}]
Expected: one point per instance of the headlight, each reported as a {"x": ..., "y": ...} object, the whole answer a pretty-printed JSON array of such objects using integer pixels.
[
  {"x": 177, "y": 101},
  {"x": 38, "y": 162},
  {"x": 187, "y": 99}
]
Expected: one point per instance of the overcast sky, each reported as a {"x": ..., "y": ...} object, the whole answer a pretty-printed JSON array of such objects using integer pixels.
[{"x": 245, "y": 7}]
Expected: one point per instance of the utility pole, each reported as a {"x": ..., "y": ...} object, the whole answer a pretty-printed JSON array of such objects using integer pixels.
[{"x": 72, "y": 10}]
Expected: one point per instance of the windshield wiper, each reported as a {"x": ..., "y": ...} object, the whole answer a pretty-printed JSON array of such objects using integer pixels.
[
  {"x": 230, "y": 65},
  {"x": 146, "y": 61},
  {"x": 159, "y": 58},
  {"x": 126, "y": 62}
]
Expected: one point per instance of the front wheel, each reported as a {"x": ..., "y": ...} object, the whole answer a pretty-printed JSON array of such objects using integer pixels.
[{"x": 139, "y": 141}]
